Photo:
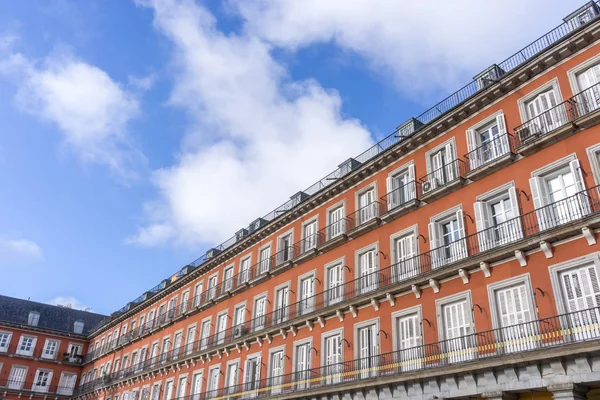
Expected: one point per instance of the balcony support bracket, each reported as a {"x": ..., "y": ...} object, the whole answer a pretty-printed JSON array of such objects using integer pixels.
[
  {"x": 259, "y": 341},
  {"x": 390, "y": 297},
  {"x": 485, "y": 268},
  {"x": 321, "y": 322},
  {"x": 521, "y": 257},
  {"x": 283, "y": 333},
  {"x": 238, "y": 348},
  {"x": 294, "y": 330},
  {"x": 434, "y": 285},
  {"x": 353, "y": 311},
  {"x": 464, "y": 275},
  {"x": 269, "y": 338},
  {"x": 375, "y": 304},
  {"x": 588, "y": 234},
  {"x": 340, "y": 315},
  {"x": 219, "y": 354},
  {"x": 417, "y": 291},
  {"x": 246, "y": 346},
  {"x": 546, "y": 248},
  {"x": 309, "y": 325},
  {"x": 226, "y": 350}
]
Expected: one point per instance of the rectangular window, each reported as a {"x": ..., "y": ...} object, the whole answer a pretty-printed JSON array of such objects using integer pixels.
[
  {"x": 442, "y": 168},
  {"x": 185, "y": 298},
  {"x": 165, "y": 349},
  {"x": 205, "y": 335},
  {"x": 543, "y": 114},
  {"x": 309, "y": 236},
  {"x": 447, "y": 239},
  {"x": 560, "y": 196},
  {"x": 189, "y": 340},
  {"x": 514, "y": 311},
  {"x": 281, "y": 305},
  {"x": 589, "y": 89},
  {"x": 401, "y": 187},
  {"x": 50, "y": 349},
  {"x": 333, "y": 358},
  {"x": 303, "y": 358},
  {"x": 78, "y": 327},
  {"x": 4, "y": 341},
  {"x": 198, "y": 293},
  {"x": 228, "y": 279},
  {"x": 231, "y": 378},
  {"x": 276, "y": 372},
  {"x": 264, "y": 260},
  {"x": 169, "y": 390},
  {"x": 406, "y": 261},
  {"x": 75, "y": 349},
  {"x": 155, "y": 394},
  {"x": 456, "y": 320},
  {"x": 16, "y": 379},
  {"x": 367, "y": 207},
  {"x": 307, "y": 293},
  {"x": 260, "y": 309},
  {"x": 177, "y": 344},
  {"x": 181, "y": 387},
  {"x": 497, "y": 220},
  {"x": 26, "y": 345},
  {"x": 66, "y": 384},
  {"x": 335, "y": 284},
  {"x": 145, "y": 393},
  {"x": 34, "y": 318},
  {"x": 337, "y": 223},
  {"x": 252, "y": 375},
  {"x": 221, "y": 328},
  {"x": 239, "y": 317},
  {"x": 42, "y": 380},
  {"x": 286, "y": 249},
  {"x": 408, "y": 331},
  {"x": 212, "y": 287},
  {"x": 153, "y": 355},
  {"x": 213, "y": 382},
  {"x": 197, "y": 386},
  {"x": 487, "y": 142},
  {"x": 368, "y": 345},
  {"x": 368, "y": 278}
]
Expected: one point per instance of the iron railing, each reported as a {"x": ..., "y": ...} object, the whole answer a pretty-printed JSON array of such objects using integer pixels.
[
  {"x": 40, "y": 387},
  {"x": 399, "y": 197},
  {"x": 528, "y": 225},
  {"x": 489, "y": 151},
  {"x": 438, "y": 110},
  {"x": 573, "y": 327},
  {"x": 443, "y": 176}
]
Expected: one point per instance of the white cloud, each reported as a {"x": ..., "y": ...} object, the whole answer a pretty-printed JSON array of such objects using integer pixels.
[
  {"x": 20, "y": 250},
  {"x": 423, "y": 45},
  {"x": 142, "y": 82},
  {"x": 68, "y": 301},
  {"x": 256, "y": 137},
  {"x": 90, "y": 109}
]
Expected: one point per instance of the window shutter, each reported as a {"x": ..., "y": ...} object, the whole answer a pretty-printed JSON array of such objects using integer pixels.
[
  {"x": 582, "y": 197},
  {"x": 451, "y": 163},
  {"x": 257, "y": 371},
  {"x": 389, "y": 184},
  {"x": 482, "y": 221},
  {"x": 462, "y": 247},
  {"x": 433, "y": 240},
  {"x": 409, "y": 247},
  {"x": 503, "y": 139},
  {"x": 473, "y": 144},
  {"x": 540, "y": 199},
  {"x": 516, "y": 230},
  {"x": 411, "y": 182}
]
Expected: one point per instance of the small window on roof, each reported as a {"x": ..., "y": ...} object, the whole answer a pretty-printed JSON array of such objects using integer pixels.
[
  {"x": 78, "y": 327},
  {"x": 34, "y": 318}
]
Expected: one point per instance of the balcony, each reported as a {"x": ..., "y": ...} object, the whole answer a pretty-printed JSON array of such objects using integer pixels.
[
  {"x": 399, "y": 201},
  {"x": 32, "y": 389},
  {"x": 307, "y": 247},
  {"x": 334, "y": 234},
  {"x": 560, "y": 121},
  {"x": 442, "y": 181},
  {"x": 489, "y": 157},
  {"x": 364, "y": 219}
]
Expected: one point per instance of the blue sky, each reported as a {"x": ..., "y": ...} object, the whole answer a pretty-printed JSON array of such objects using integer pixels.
[{"x": 136, "y": 134}]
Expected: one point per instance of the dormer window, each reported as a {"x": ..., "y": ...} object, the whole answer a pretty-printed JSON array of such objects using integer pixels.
[
  {"x": 78, "y": 327},
  {"x": 34, "y": 318}
]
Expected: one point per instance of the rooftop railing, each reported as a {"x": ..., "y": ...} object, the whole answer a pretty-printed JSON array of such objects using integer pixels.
[
  {"x": 451, "y": 102},
  {"x": 559, "y": 213}
]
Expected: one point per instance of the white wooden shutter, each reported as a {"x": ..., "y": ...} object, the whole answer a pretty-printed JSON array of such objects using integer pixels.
[
  {"x": 516, "y": 230},
  {"x": 411, "y": 183},
  {"x": 451, "y": 165},
  {"x": 540, "y": 199},
  {"x": 503, "y": 137},
  {"x": 482, "y": 221},
  {"x": 258, "y": 363},
  {"x": 473, "y": 144},
  {"x": 581, "y": 199},
  {"x": 513, "y": 305},
  {"x": 16, "y": 378},
  {"x": 409, "y": 332},
  {"x": 436, "y": 176},
  {"x": 462, "y": 242},
  {"x": 389, "y": 183}
]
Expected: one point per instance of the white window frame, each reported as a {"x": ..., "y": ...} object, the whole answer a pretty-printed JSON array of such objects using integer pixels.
[
  {"x": 556, "y": 269},
  {"x": 332, "y": 370},
  {"x": 38, "y": 388},
  {"x": 33, "y": 319},
  {"x": 473, "y": 135},
  {"x": 181, "y": 377},
  {"x": 394, "y": 199},
  {"x": 330, "y": 300},
  {"x": 339, "y": 229},
  {"x": 57, "y": 349},
  {"x": 221, "y": 336},
  {"x": 365, "y": 284},
  {"x": 408, "y": 267},
  {"x": 211, "y": 291},
  {"x": 227, "y": 376},
  {"x": 279, "y": 239},
  {"x": 312, "y": 220},
  {"x": 370, "y": 211},
  {"x": 306, "y": 307},
  {"x": 414, "y": 359},
  {"x": 307, "y": 341},
  {"x": 22, "y": 383},
  {"x": 275, "y": 380},
  {"x": 255, "y": 325},
  {"x": 439, "y": 306},
  {"x": 252, "y": 392},
  {"x": 552, "y": 84},
  {"x": 209, "y": 385},
  {"x": 76, "y": 325},
  {"x": 593, "y": 153},
  {"x": 33, "y": 344},
  {"x": 435, "y": 233},
  {"x": 244, "y": 278},
  {"x": 173, "y": 389},
  {"x": 453, "y": 169},
  {"x": 5, "y": 348},
  {"x": 228, "y": 282},
  {"x": 357, "y": 327},
  {"x": 576, "y": 70},
  {"x": 264, "y": 266},
  {"x": 285, "y": 313}
]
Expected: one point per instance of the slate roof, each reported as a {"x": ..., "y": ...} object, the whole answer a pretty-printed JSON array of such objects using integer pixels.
[{"x": 55, "y": 318}]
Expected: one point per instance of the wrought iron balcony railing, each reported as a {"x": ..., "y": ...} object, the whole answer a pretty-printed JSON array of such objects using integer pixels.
[
  {"x": 443, "y": 176},
  {"x": 40, "y": 387},
  {"x": 489, "y": 151},
  {"x": 556, "y": 214},
  {"x": 399, "y": 197}
]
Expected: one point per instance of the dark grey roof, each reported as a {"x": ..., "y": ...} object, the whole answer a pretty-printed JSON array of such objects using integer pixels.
[{"x": 56, "y": 318}]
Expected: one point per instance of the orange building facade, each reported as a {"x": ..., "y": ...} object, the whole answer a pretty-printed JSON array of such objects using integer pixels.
[{"x": 457, "y": 258}]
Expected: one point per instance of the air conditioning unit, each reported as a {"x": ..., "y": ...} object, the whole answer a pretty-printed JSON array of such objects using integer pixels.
[
  {"x": 529, "y": 133},
  {"x": 239, "y": 331},
  {"x": 429, "y": 185},
  {"x": 211, "y": 253}
]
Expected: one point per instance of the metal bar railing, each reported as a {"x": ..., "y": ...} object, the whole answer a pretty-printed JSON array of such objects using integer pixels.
[
  {"x": 556, "y": 214},
  {"x": 451, "y": 102},
  {"x": 41, "y": 386},
  {"x": 364, "y": 215},
  {"x": 489, "y": 151},
  {"x": 443, "y": 176},
  {"x": 399, "y": 197}
]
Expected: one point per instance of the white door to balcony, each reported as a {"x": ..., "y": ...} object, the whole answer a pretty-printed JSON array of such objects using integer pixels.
[
  {"x": 367, "y": 339},
  {"x": 458, "y": 340},
  {"x": 264, "y": 260},
  {"x": 66, "y": 384},
  {"x": 368, "y": 278},
  {"x": 409, "y": 342},
  {"x": 302, "y": 366},
  {"x": 336, "y": 223},
  {"x": 197, "y": 387},
  {"x": 515, "y": 313},
  {"x": 544, "y": 114},
  {"x": 17, "y": 377},
  {"x": 276, "y": 372},
  {"x": 334, "y": 284},
  {"x": 588, "y": 98},
  {"x": 307, "y": 292},
  {"x": 281, "y": 304},
  {"x": 367, "y": 206},
  {"x": 260, "y": 309},
  {"x": 581, "y": 291},
  {"x": 310, "y": 236},
  {"x": 221, "y": 327},
  {"x": 406, "y": 263},
  {"x": 42, "y": 381},
  {"x": 333, "y": 359}
]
